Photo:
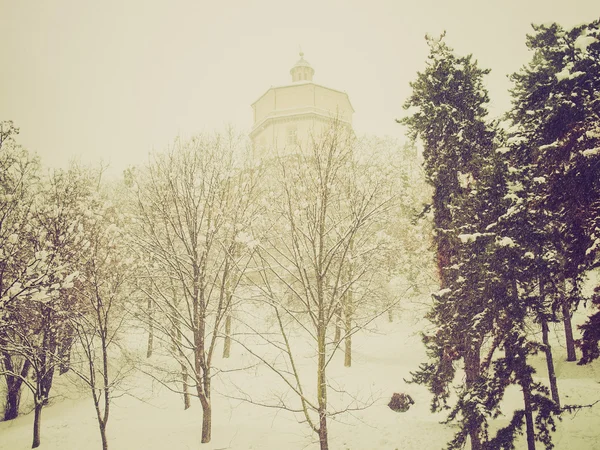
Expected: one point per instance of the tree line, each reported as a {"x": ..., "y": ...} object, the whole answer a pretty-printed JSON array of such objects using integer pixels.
[
  {"x": 516, "y": 207},
  {"x": 203, "y": 248},
  {"x": 198, "y": 250}
]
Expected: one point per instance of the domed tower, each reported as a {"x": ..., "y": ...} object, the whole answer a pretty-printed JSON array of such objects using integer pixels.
[
  {"x": 285, "y": 116},
  {"x": 302, "y": 70}
]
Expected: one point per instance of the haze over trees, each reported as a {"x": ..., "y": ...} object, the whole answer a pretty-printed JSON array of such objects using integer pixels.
[{"x": 203, "y": 270}]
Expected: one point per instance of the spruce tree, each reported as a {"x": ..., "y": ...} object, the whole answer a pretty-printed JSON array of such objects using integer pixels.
[
  {"x": 448, "y": 105},
  {"x": 555, "y": 118},
  {"x": 484, "y": 234}
]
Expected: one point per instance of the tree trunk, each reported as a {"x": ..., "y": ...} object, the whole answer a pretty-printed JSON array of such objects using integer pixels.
[
  {"x": 186, "y": 394},
  {"x": 13, "y": 385},
  {"x": 472, "y": 373},
  {"x": 227, "y": 342},
  {"x": 566, "y": 310},
  {"x": 13, "y": 399},
  {"x": 206, "y": 421},
  {"x": 150, "y": 329},
  {"x": 103, "y": 436},
  {"x": 323, "y": 431},
  {"x": 390, "y": 315},
  {"x": 348, "y": 340},
  {"x": 37, "y": 422},
  {"x": 46, "y": 384},
  {"x": 322, "y": 385},
  {"x": 184, "y": 370},
  {"x": 348, "y": 314},
  {"x": 65, "y": 352},
  {"x": 550, "y": 363},
  {"x": 338, "y": 328},
  {"x": 528, "y": 414}
]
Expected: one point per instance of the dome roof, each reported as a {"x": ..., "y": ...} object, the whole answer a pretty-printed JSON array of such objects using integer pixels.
[
  {"x": 302, "y": 62},
  {"x": 302, "y": 70}
]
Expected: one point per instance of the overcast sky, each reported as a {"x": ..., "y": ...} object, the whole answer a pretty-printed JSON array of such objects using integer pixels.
[{"x": 117, "y": 79}]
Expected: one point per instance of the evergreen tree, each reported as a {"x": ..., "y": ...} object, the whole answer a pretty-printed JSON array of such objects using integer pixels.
[
  {"x": 556, "y": 122},
  {"x": 449, "y": 100},
  {"x": 484, "y": 258}
]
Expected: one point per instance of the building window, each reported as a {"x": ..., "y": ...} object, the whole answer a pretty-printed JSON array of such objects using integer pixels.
[{"x": 292, "y": 136}]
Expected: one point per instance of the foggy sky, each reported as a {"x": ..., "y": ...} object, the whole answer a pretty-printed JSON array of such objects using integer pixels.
[{"x": 114, "y": 80}]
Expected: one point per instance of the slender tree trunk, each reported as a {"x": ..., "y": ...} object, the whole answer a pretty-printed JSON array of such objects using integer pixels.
[
  {"x": 323, "y": 442},
  {"x": 472, "y": 360},
  {"x": 201, "y": 375},
  {"x": 46, "y": 356},
  {"x": 227, "y": 342},
  {"x": 65, "y": 352},
  {"x": 348, "y": 315},
  {"x": 338, "y": 321},
  {"x": 186, "y": 393},
  {"x": 390, "y": 315},
  {"x": 526, "y": 385},
  {"x": 103, "y": 436},
  {"x": 566, "y": 313},
  {"x": 348, "y": 339},
  {"x": 566, "y": 310},
  {"x": 550, "y": 362},
  {"x": 177, "y": 350},
  {"x": 519, "y": 356},
  {"x": 37, "y": 422},
  {"x": 322, "y": 385},
  {"x": 184, "y": 371},
  {"x": 150, "y": 328},
  {"x": 206, "y": 420},
  {"x": 47, "y": 379}
]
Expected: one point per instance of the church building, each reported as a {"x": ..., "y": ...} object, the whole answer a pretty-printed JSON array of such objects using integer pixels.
[{"x": 285, "y": 116}]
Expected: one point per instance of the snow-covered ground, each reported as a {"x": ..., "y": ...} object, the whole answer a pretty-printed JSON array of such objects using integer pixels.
[{"x": 152, "y": 418}]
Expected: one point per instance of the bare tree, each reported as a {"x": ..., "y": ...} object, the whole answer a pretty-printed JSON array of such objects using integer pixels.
[
  {"x": 193, "y": 204},
  {"x": 106, "y": 280},
  {"x": 315, "y": 261}
]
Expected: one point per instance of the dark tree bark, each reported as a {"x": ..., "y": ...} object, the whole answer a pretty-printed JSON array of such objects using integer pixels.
[
  {"x": 472, "y": 372},
  {"x": 37, "y": 422},
  {"x": 46, "y": 384},
  {"x": 526, "y": 385},
  {"x": 14, "y": 384},
  {"x": 206, "y": 420},
  {"x": 550, "y": 363},
  {"x": 13, "y": 398},
  {"x": 65, "y": 354},
  {"x": 323, "y": 441},
  {"x": 570, "y": 341},
  {"x": 103, "y": 437}
]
